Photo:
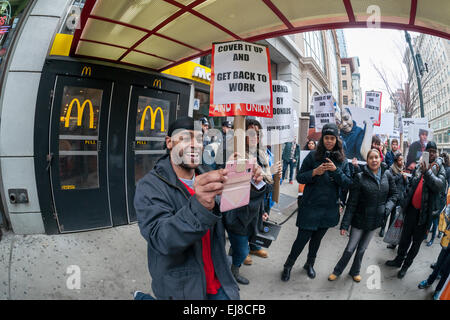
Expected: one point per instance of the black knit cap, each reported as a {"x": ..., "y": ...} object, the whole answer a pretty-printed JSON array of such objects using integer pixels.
[
  {"x": 186, "y": 123},
  {"x": 431, "y": 145},
  {"x": 330, "y": 129}
]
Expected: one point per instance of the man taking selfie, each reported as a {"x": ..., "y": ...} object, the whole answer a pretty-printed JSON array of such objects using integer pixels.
[{"x": 179, "y": 217}]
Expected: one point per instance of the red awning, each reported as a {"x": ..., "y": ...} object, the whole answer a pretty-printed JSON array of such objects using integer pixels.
[{"x": 158, "y": 34}]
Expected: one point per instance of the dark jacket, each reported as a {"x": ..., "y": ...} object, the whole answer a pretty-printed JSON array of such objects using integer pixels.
[
  {"x": 447, "y": 172},
  {"x": 389, "y": 158},
  {"x": 286, "y": 156},
  {"x": 319, "y": 206},
  {"x": 370, "y": 201},
  {"x": 434, "y": 182},
  {"x": 401, "y": 184},
  {"x": 173, "y": 223}
]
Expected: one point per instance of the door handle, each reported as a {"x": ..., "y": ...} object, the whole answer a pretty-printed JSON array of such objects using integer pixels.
[{"x": 49, "y": 161}]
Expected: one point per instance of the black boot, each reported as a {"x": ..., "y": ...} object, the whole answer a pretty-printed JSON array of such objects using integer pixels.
[
  {"x": 309, "y": 268},
  {"x": 381, "y": 234},
  {"x": 402, "y": 272},
  {"x": 397, "y": 262},
  {"x": 286, "y": 275},
  {"x": 240, "y": 279}
]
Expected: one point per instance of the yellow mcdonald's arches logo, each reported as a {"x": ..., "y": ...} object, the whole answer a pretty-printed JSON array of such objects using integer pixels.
[
  {"x": 80, "y": 109},
  {"x": 86, "y": 71},
  {"x": 157, "y": 83},
  {"x": 152, "y": 118}
]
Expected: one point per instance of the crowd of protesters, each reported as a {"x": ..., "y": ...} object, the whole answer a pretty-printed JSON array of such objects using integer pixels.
[{"x": 177, "y": 205}]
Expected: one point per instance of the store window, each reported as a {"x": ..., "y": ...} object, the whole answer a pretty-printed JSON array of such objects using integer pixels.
[
  {"x": 78, "y": 137},
  {"x": 203, "y": 109}
]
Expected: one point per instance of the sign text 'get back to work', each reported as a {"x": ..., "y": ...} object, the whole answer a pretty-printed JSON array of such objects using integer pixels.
[{"x": 241, "y": 81}]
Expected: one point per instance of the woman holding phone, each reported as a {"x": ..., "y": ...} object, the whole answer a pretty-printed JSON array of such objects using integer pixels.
[
  {"x": 324, "y": 172},
  {"x": 372, "y": 197}
]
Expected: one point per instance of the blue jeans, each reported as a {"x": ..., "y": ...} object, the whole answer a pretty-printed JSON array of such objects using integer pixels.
[
  {"x": 291, "y": 165},
  {"x": 434, "y": 228},
  {"x": 143, "y": 296},
  {"x": 220, "y": 295},
  {"x": 239, "y": 246}
]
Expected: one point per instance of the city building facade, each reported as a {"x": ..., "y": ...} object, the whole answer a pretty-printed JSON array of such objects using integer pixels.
[{"x": 435, "y": 54}]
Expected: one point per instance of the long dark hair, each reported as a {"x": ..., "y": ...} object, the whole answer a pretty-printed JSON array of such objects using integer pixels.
[
  {"x": 307, "y": 143},
  {"x": 337, "y": 153}
]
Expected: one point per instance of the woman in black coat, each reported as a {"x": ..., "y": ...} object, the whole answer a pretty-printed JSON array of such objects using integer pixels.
[
  {"x": 372, "y": 196},
  {"x": 324, "y": 172}
]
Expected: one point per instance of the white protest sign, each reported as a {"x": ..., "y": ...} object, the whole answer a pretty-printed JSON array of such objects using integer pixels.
[
  {"x": 373, "y": 103},
  {"x": 387, "y": 124},
  {"x": 395, "y": 135},
  {"x": 355, "y": 129},
  {"x": 241, "y": 81},
  {"x": 296, "y": 125},
  {"x": 283, "y": 117},
  {"x": 409, "y": 122},
  {"x": 324, "y": 110}
]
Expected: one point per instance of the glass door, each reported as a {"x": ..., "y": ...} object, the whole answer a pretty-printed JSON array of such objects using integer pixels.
[
  {"x": 149, "y": 115},
  {"x": 78, "y": 132}
]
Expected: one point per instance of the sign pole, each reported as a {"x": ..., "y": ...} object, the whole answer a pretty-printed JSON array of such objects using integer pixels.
[
  {"x": 239, "y": 141},
  {"x": 276, "y": 179}
]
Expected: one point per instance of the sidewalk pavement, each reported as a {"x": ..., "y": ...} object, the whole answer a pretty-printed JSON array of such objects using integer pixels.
[{"x": 113, "y": 264}]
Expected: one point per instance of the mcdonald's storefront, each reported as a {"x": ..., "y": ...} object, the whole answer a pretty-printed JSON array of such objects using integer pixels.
[
  {"x": 98, "y": 130},
  {"x": 76, "y": 134}
]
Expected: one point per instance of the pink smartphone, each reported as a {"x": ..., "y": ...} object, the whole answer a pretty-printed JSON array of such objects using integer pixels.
[{"x": 236, "y": 192}]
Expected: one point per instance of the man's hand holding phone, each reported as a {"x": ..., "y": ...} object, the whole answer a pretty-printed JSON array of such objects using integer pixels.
[{"x": 208, "y": 185}]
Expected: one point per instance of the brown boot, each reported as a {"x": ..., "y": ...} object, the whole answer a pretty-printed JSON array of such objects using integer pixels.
[
  {"x": 248, "y": 261},
  {"x": 260, "y": 253}
]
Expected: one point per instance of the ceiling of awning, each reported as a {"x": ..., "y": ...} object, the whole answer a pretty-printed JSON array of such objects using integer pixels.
[{"x": 158, "y": 34}]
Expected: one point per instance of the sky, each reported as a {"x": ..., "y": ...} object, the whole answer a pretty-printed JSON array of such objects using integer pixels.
[{"x": 380, "y": 46}]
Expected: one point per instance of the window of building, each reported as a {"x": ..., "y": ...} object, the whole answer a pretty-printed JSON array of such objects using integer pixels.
[
  {"x": 344, "y": 84},
  {"x": 333, "y": 65},
  {"x": 345, "y": 100},
  {"x": 206, "y": 61},
  {"x": 343, "y": 70},
  {"x": 314, "y": 47}
]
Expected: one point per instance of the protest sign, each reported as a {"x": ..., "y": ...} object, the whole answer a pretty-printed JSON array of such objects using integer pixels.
[
  {"x": 296, "y": 125},
  {"x": 387, "y": 124},
  {"x": 323, "y": 110},
  {"x": 356, "y": 130},
  {"x": 420, "y": 136},
  {"x": 241, "y": 81},
  {"x": 373, "y": 103},
  {"x": 395, "y": 135},
  {"x": 409, "y": 122},
  {"x": 283, "y": 116}
]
